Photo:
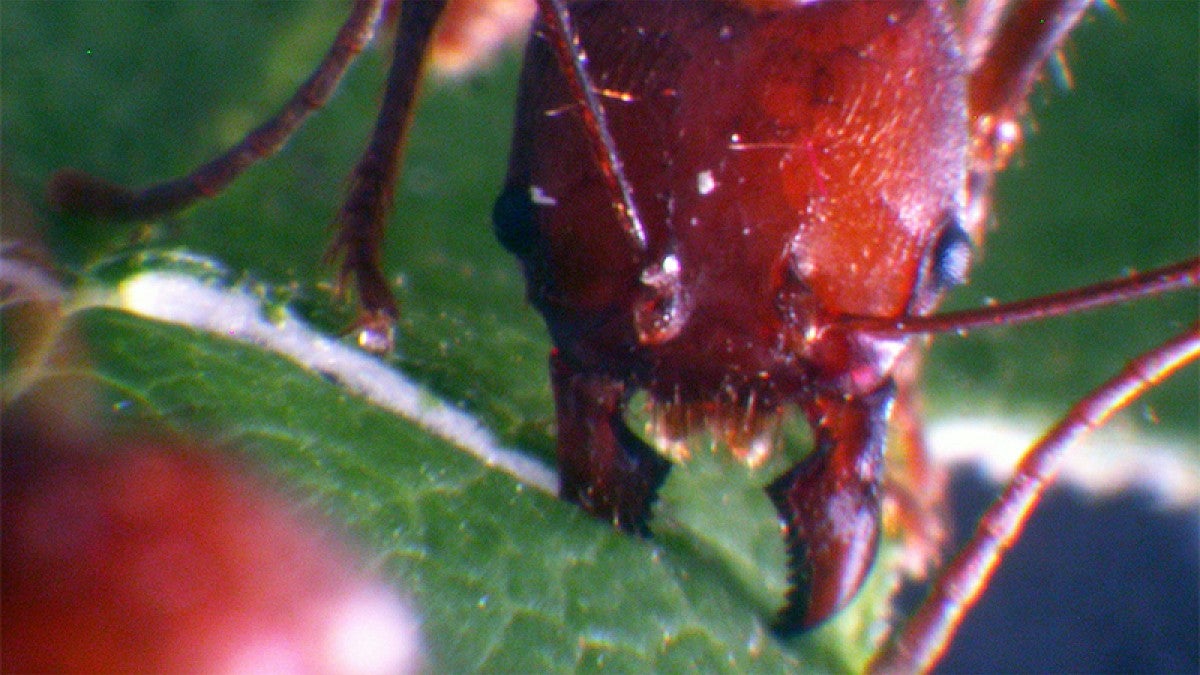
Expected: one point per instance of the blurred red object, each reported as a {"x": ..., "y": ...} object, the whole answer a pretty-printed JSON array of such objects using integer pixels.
[
  {"x": 473, "y": 31},
  {"x": 159, "y": 556}
]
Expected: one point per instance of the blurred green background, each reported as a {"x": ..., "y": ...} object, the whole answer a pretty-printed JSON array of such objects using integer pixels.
[{"x": 1107, "y": 182}]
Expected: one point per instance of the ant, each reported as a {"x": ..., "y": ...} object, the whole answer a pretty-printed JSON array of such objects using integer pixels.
[{"x": 796, "y": 288}]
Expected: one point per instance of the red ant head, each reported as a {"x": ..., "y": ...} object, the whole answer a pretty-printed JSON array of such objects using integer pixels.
[
  {"x": 769, "y": 207},
  {"x": 702, "y": 236}
]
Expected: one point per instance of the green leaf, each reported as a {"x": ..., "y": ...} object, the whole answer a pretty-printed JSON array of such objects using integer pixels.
[
  {"x": 507, "y": 577},
  {"x": 488, "y": 560}
]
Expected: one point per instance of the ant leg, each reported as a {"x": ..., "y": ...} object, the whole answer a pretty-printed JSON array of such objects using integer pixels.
[
  {"x": 830, "y": 505},
  {"x": 76, "y": 192},
  {"x": 362, "y": 219},
  {"x": 914, "y": 505},
  {"x": 604, "y": 467},
  {"x": 930, "y": 630},
  {"x": 1013, "y": 54},
  {"x": 1006, "y": 49}
]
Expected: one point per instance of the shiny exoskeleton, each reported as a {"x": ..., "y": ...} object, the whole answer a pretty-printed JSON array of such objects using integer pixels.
[{"x": 792, "y": 164}]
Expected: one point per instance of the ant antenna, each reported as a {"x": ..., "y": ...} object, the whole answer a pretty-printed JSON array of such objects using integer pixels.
[
  {"x": 74, "y": 191},
  {"x": 572, "y": 60},
  {"x": 1154, "y": 282},
  {"x": 928, "y": 633}
]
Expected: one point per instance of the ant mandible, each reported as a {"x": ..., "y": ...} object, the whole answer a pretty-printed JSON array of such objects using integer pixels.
[{"x": 739, "y": 208}]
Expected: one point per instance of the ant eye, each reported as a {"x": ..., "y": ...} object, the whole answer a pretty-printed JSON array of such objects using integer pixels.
[
  {"x": 950, "y": 257},
  {"x": 947, "y": 261},
  {"x": 512, "y": 218}
]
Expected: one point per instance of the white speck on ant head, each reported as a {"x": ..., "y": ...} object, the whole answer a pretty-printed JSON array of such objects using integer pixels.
[{"x": 538, "y": 196}]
